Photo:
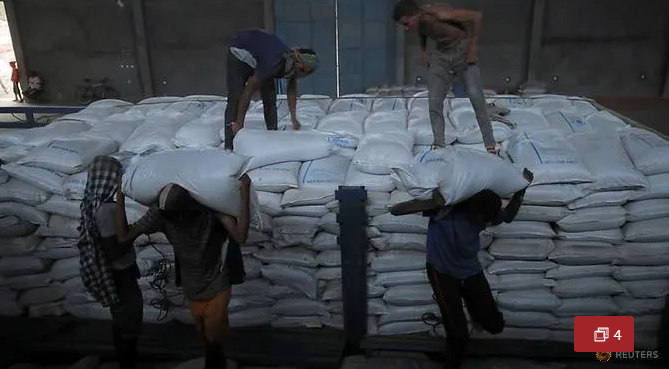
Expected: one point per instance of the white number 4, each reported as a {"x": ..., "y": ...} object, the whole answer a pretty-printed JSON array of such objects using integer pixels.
[{"x": 617, "y": 335}]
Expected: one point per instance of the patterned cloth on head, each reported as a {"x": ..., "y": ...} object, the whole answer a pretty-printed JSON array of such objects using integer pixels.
[
  {"x": 309, "y": 61},
  {"x": 96, "y": 272}
]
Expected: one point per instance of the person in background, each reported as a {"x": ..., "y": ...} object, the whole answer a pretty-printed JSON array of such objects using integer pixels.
[
  {"x": 35, "y": 88},
  {"x": 108, "y": 268},
  {"x": 198, "y": 235},
  {"x": 456, "y": 32},
  {"x": 255, "y": 59},
  {"x": 16, "y": 78},
  {"x": 453, "y": 267}
]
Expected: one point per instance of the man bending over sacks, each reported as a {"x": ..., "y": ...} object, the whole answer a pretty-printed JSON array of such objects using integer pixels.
[
  {"x": 453, "y": 267},
  {"x": 198, "y": 236},
  {"x": 255, "y": 59}
]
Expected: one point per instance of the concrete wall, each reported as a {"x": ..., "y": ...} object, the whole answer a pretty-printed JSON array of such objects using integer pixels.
[
  {"x": 176, "y": 47},
  {"x": 69, "y": 40}
]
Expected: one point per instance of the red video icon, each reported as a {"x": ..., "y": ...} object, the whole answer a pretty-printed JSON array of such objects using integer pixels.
[{"x": 603, "y": 334}]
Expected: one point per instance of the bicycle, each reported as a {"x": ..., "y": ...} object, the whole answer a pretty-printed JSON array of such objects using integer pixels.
[{"x": 95, "y": 90}]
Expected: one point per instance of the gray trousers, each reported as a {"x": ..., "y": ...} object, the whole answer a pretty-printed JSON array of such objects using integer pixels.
[{"x": 444, "y": 68}]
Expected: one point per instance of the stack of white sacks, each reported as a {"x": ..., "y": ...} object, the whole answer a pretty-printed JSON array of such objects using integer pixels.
[{"x": 589, "y": 239}]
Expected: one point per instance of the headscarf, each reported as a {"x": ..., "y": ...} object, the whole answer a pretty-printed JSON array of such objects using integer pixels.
[
  {"x": 95, "y": 270},
  {"x": 294, "y": 56}
]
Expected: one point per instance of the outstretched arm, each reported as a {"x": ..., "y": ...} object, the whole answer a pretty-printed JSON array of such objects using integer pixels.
[
  {"x": 418, "y": 206},
  {"x": 147, "y": 224},
  {"x": 508, "y": 214},
  {"x": 239, "y": 228}
]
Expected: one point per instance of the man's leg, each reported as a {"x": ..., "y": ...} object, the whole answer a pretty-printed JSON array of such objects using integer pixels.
[
  {"x": 16, "y": 91},
  {"x": 211, "y": 320},
  {"x": 472, "y": 76},
  {"x": 447, "y": 293},
  {"x": 438, "y": 84},
  {"x": 127, "y": 316},
  {"x": 268, "y": 94},
  {"x": 481, "y": 305},
  {"x": 237, "y": 75}
]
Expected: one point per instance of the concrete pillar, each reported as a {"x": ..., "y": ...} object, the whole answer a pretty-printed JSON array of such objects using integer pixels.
[
  {"x": 143, "y": 60},
  {"x": 536, "y": 40},
  {"x": 268, "y": 15},
  {"x": 400, "y": 54}
]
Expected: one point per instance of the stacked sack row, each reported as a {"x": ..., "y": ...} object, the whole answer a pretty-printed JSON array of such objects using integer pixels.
[{"x": 292, "y": 257}]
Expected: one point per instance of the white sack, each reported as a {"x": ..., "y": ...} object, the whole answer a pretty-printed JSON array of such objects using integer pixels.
[
  {"x": 325, "y": 241},
  {"x": 252, "y": 268},
  {"x": 117, "y": 127},
  {"x": 389, "y": 104},
  {"x": 352, "y": 102},
  {"x": 62, "y": 127},
  {"x": 241, "y": 303},
  {"x": 400, "y": 328},
  {"x": 390, "y": 279},
  {"x": 8, "y": 304},
  {"x": 406, "y": 241},
  {"x": 549, "y": 155},
  {"x": 200, "y": 133},
  {"x": 327, "y": 173},
  {"x": 537, "y": 213},
  {"x": 346, "y": 123},
  {"x": 280, "y": 146},
  {"x": 465, "y": 122},
  {"x": 510, "y": 282},
  {"x": 294, "y": 231},
  {"x": 334, "y": 290},
  {"x": 648, "y": 150},
  {"x": 648, "y": 289},
  {"x": 276, "y": 177},
  {"x": 523, "y": 229},
  {"x": 295, "y": 256},
  {"x": 371, "y": 182},
  {"x": 209, "y": 175},
  {"x": 307, "y": 196},
  {"x": 60, "y": 226},
  {"x": 599, "y": 199},
  {"x": 612, "y": 236},
  {"x": 598, "y": 305},
  {"x": 419, "y": 125},
  {"x": 293, "y": 322},
  {"x": 409, "y": 295},
  {"x": 643, "y": 254},
  {"x": 269, "y": 203},
  {"x": 449, "y": 169},
  {"x": 60, "y": 205},
  {"x": 567, "y": 123},
  {"x": 64, "y": 269},
  {"x": 26, "y": 282},
  {"x": 313, "y": 211},
  {"x": 579, "y": 271},
  {"x": 529, "y": 300},
  {"x": 42, "y": 295},
  {"x": 407, "y": 313},
  {"x": 410, "y": 223},
  {"x": 393, "y": 261},
  {"x": 652, "y": 230},
  {"x": 605, "y": 157},
  {"x": 605, "y": 121},
  {"x": 658, "y": 188},
  {"x": 380, "y": 153},
  {"x": 155, "y": 134},
  {"x": 583, "y": 253},
  {"x": 16, "y": 190},
  {"x": 588, "y": 287},
  {"x": 382, "y": 122},
  {"x": 632, "y": 306},
  {"x": 299, "y": 307},
  {"x": 13, "y": 226},
  {"x": 307, "y": 115},
  {"x": 18, "y": 246},
  {"x": 647, "y": 209},
  {"x": 636, "y": 273},
  {"x": 74, "y": 186},
  {"x": 593, "y": 219},
  {"x": 527, "y": 119},
  {"x": 45, "y": 179},
  {"x": 552, "y": 195},
  {"x": 501, "y": 267},
  {"x": 23, "y": 212},
  {"x": 529, "y": 319},
  {"x": 256, "y": 317},
  {"x": 294, "y": 278},
  {"x": 521, "y": 249},
  {"x": 48, "y": 309},
  {"x": 68, "y": 155}
]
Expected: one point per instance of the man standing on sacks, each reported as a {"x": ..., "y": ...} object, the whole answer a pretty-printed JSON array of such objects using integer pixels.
[
  {"x": 255, "y": 59},
  {"x": 453, "y": 267},
  {"x": 207, "y": 249},
  {"x": 456, "y": 32}
]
